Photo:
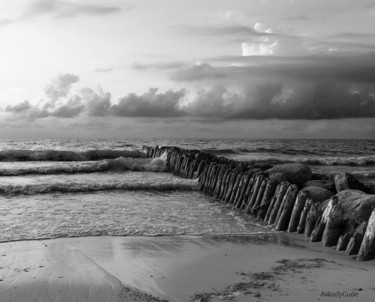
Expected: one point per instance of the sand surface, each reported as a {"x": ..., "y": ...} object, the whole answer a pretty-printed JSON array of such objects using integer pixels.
[{"x": 268, "y": 267}]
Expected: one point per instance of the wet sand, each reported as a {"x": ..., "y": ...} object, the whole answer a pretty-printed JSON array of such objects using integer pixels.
[{"x": 268, "y": 267}]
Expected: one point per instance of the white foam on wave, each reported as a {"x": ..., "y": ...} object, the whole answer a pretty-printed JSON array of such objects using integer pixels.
[
  {"x": 91, "y": 182},
  {"x": 117, "y": 164}
]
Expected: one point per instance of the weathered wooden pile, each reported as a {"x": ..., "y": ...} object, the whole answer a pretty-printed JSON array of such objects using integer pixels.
[{"x": 281, "y": 204}]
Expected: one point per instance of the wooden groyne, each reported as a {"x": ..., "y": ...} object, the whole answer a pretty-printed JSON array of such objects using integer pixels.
[{"x": 278, "y": 197}]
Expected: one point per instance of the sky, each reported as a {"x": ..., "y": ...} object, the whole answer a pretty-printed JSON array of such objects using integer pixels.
[{"x": 187, "y": 68}]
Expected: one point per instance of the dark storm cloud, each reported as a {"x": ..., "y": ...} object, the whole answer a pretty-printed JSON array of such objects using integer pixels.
[
  {"x": 66, "y": 9},
  {"x": 347, "y": 68},
  {"x": 150, "y": 104}
]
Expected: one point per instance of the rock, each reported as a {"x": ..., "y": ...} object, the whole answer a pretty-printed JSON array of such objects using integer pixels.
[
  {"x": 357, "y": 207},
  {"x": 317, "y": 194},
  {"x": 334, "y": 224},
  {"x": 322, "y": 183},
  {"x": 367, "y": 249},
  {"x": 261, "y": 166},
  {"x": 356, "y": 240},
  {"x": 295, "y": 173},
  {"x": 343, "y": 241},
  {"x": 345, "y": 181},
  {"x": 312, "y": 217},
  {"x": 278, "y": 177}
]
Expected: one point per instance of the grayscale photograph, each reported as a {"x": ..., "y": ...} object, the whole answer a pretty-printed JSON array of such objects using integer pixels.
[{"x": 187, "y": 150}]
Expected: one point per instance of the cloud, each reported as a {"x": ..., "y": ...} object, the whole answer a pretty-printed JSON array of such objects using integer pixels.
[
  {"x": 97, "y": 102},
  {"x": 103, "y": 70},
  {"x": 19, "y": 108},
  {"x": 158, "y": 65},
  {"x": 67, "y": 9},
  {"x": 150, "y": 104},
  {"x": 197, "y": 72},
  {"x": 72, "y": 108},
  {"x": 350, "y": 68},
  {"x": 25, "y": 111},
  {"x": 5, "y": 22},
  {"x": 313, "y": 87},
  {"x": 219, "y": 30},
  {"x": 60, "y": 87}
]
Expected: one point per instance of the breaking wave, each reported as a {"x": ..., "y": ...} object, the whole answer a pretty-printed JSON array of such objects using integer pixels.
[
  {"x": 314, "y": 161},
  {"x": 117, "y": 164},
  {"x": 62, "y": 155},
  {"x": 84, "y": 187}
]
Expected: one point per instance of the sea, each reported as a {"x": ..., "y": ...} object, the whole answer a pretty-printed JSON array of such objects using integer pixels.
[{"x": 73, "y": 188}]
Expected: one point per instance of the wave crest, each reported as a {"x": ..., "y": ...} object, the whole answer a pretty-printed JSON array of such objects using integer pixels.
[{"x": 62, "y": 155}]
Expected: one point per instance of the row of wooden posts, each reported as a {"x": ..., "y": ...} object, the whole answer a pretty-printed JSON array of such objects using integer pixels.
[{"x": 281, "y": 205}]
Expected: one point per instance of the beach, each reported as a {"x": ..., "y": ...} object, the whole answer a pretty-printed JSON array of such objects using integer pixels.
[
  {"x": 81, "y": 224},
  {"x": 263, "y": 267}
]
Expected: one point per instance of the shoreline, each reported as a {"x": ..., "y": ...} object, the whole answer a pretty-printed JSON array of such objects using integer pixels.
[{"x": 268, "y": 267}]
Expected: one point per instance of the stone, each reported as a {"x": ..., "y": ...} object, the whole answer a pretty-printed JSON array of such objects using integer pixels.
[
  {"x": 322, "y": 183},
  {"x": 357, "y": 207},
  {"x": 345, "y": 181},
  {"x": 317, "y": 194},
  {"x": 295, "y": 173},
  {"x": 367, "y": 249}
]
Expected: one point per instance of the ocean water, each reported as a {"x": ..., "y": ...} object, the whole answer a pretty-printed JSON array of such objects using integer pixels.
[{"x": 68, "y": 188}]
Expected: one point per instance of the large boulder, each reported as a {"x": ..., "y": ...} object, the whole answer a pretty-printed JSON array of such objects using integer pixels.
[
  {"x": 278, "y": 177},
  {"x": 346, "y": 181},
  {"x": 357, "y": 207},
  {"x": 318, "y": 194},
  {"x": 322, "y": 183},
  {"x": 295, "y": 173}
]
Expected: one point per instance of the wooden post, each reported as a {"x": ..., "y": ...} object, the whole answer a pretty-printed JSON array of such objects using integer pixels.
[
  {"x": 320, "y": 226},
  {"x": 367, "y": 249},
  {"x": 318, "y": 229},
  {"x": 258, "y": 200},
  {"x": 216, "y": 189},
  {"x": 254, "y": 193},
  {"x": 311, "y": 218},
  {"x": 279, "y": 199},
  {"x": 269, "y": 210},
  {"x": 243, "y": 200},
  {"x": 334, "y": 225},
  {"x": 178, "y": 164},
  {"x": 281, "y": 208},
  {"x": 240, "y": 189},
  {"x": 230, "y": 186},
  {"x": 267, "y": 197},
  {"x": 343, "y": 242},
  {"x": 355, "y": 241},
  {"x": 220, "y": 185},
  {"x": 290, "y": 198},
  {"x": 203, "y": 177},
  {"x": 225, "y": 184},
  {"x": 302, "y": 220},
  {"x": 212, "y": 179},
  {"x": 200, "y": 168},
  {"x": 297, "y": 210},
  {"x": 209, "y": 177},
  {"x": 235, "y": 188}
]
